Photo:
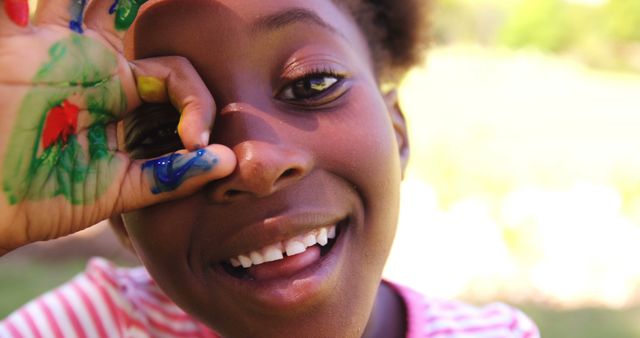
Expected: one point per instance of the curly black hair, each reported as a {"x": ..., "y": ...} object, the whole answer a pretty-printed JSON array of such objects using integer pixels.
[{"x": 397, "y": 33}]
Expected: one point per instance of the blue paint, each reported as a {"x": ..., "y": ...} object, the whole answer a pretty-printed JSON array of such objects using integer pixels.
[
  {"x": 169, "y": 172},
  {"x": 77, "y": 14},
  {"x": 114, "y": 7}
]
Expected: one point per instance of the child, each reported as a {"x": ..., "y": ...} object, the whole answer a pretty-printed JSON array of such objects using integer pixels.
[{"x": 280, "y": 229}]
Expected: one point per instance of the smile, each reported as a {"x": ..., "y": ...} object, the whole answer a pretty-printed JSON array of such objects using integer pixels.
[
  {"x": 291, "y": 247},
  {"x": 285, "y": 258}
]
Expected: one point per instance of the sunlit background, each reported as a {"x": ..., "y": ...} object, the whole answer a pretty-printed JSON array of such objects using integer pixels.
[
  {"x": 524, "y": 184},
  {"x": 524, "y": 181}
]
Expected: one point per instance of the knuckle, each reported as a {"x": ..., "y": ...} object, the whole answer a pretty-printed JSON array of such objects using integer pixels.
[{"x": 180, "y": 62}]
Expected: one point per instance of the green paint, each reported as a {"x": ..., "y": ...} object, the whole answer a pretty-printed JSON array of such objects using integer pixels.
[
  {"x": 77, "y": 61},
  {"x": 126, "y": 11},
  {"x": 77, "y": 65}
]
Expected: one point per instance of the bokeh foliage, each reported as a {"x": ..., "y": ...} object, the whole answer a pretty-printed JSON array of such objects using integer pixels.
[{"x": 605, "y": 35}]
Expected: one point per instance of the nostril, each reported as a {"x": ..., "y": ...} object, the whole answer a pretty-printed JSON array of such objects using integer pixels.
[
  {"x": 289, "y": 173},
  {"x": 229, "y": 194},
  {"x": 288, "y": 176}
]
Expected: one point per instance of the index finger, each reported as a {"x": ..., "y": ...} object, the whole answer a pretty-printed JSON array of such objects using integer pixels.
[
  {"x": 112, "y": 18},
  {"x": 173, "y": 78}
]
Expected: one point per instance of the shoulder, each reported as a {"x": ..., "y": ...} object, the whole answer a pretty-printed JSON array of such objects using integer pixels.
[
  {"x": 429, "y": 317},
  {"x": 103, "y": 301}
]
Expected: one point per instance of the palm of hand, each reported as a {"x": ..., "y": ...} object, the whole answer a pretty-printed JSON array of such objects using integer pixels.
[
  {"x": 63, "y": 88},
  {"x": 57, "y": 158},
  {"x": 45, "y": 159}
]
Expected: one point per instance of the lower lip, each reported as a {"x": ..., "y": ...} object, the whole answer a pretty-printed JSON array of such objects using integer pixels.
[{"x": 304, "y": 286}]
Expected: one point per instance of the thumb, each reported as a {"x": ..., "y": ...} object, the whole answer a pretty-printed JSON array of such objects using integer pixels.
[{"x": 173, "y": 176}]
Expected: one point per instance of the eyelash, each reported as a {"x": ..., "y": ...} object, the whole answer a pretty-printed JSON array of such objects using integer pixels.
[
  {"x": 156, "y": 142},
  {"x": 323, "y": 96},
  {"x": 153, "y": 133}
]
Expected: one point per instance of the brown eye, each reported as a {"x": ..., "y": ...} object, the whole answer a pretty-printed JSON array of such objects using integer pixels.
[
  {"x": 162, "y": 135},
  {"x": 151, "y": 131},
  {"x": 310, "y": 87}
]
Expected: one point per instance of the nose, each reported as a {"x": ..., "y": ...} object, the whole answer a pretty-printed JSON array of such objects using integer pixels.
[{"x": 263, "y": 168}]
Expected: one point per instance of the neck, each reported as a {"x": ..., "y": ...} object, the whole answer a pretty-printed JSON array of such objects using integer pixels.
[{"x": 389, "y": 315}]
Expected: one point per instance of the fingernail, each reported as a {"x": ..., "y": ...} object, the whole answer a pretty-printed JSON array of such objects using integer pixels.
[
  {"x": 18, "y": 11},
  {"x": 204, "y": 138}
]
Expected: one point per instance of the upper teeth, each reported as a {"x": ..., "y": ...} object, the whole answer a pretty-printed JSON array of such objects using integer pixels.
[{"x": 293, "y": 246}]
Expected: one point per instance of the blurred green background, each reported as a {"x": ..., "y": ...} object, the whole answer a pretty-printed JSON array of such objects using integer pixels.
[
  {"x": 600, "y": 33},
  {"x": 524, "y": 181},
  {"x": 525, "y": 174}
]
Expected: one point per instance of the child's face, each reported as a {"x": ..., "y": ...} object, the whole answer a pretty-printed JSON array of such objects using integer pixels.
[{"x": 299, "y": 104}]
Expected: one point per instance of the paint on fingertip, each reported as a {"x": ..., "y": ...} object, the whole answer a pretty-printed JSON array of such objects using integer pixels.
[
  {"x": 126, "y": 12},
  {"x": 169, "y": 172},
  {"x": 17, "y": 11},
  {"x": 152, "y": 89},
  {"x": 77, "y": 13},
  {"x": 113, "y": 7}
]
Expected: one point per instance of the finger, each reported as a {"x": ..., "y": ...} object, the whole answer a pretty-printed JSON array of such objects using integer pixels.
[
  {"x": 173, "y": 78},
  {"x": 14, "y": 13},
  {"x": 173, "y": 176},
  {"x": 69, "y": 13},
  {"x": 112, "y": 18}
]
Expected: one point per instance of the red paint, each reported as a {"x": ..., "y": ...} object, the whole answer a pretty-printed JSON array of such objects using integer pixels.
[
  {"x": 61, "y": 122},
  {"x": 18, "y": 11}
]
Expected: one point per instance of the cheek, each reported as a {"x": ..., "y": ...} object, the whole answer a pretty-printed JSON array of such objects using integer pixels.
[
  {"x": 161, "y": 232},
  {"x": 362, "y": 149},
  {"x": 162, "y": 236},
  {"x": 361, "y": 146}
]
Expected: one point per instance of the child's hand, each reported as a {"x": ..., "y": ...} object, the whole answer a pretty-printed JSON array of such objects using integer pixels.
[{"x": 64, "y": 84}]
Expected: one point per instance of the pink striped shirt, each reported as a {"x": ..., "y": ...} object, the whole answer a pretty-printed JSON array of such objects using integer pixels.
[{"x": 107, "y": 301}]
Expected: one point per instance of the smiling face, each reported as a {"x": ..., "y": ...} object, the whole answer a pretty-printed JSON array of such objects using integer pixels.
[{"x": 299, "y": 104}]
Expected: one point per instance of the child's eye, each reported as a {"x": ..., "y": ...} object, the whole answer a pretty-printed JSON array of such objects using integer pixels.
[
  {"x": 308, "y": 87},
  {"x": 154, "y": 132},
  {"x": 162, "y": 135},
  {"x": 157, "y": 141},
  {"x": 315, "y": 89}
]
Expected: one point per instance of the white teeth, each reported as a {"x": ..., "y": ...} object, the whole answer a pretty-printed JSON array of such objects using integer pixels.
[
  {"x": 309, "y": 240},
  {"x": 273, "y": 253},
  {"x": 292, "y": 247},
  {"x": 331, "y": 233},
  {"x": 256, "y": 258},
  {"x": 295, "y": 247},
  {"x": 322, "y": 237},
  {"x": 245, "y": 261}
]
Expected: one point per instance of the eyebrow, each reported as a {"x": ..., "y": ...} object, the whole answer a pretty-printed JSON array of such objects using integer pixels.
[{"x": 291, "y": 16}]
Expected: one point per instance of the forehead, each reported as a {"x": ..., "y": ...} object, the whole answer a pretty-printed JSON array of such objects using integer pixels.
[{"x": 167, "y": 25}]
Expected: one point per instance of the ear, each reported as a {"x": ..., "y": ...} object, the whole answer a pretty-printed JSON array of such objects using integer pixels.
[
  {"x": 399, "y": 126},
  {"x": 117, "y": 224}
]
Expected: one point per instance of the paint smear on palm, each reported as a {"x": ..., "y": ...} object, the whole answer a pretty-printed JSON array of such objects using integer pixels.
[
  {"x": 44, "y": 158},
  {"x": 61, "y": 122},
  {"x": 169, "y": 172},
  {"x": 126, "y": 12}
]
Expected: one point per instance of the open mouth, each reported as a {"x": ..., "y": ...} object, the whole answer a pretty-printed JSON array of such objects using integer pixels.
[{"x": 285, "y": 258}]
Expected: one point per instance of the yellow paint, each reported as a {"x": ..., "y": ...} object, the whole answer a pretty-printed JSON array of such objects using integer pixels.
[{"x": 152, "y": 89}]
